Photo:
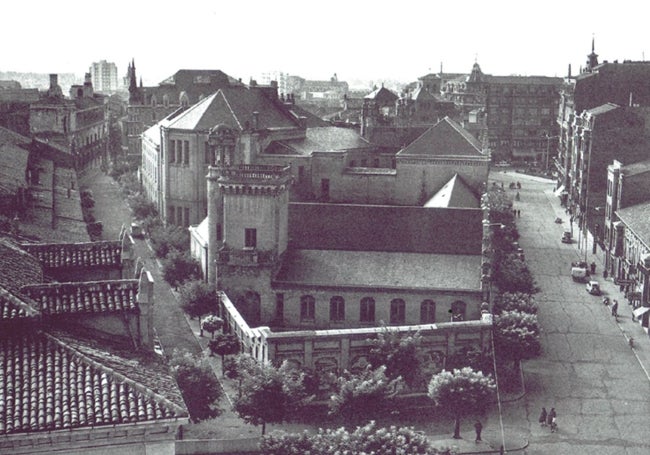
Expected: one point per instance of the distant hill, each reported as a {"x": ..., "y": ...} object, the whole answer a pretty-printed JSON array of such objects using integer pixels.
[{"x": 41, "y": 81}]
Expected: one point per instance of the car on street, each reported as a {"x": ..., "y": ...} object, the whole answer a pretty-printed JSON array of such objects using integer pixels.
[
  {"x": 567, "y": 237},
  {"x": 593, "y": 288},
  {"x": 136, "y": 231}
]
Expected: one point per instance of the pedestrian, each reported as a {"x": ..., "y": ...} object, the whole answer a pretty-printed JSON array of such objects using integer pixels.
[
  {"x": 478, "y": 427},
  {"x": 605, "y": 274},
  {"x": 593, "y": 268},
  {"x": 554, "y": 425},
  {"x": 518, "y": 185},
  {"x": 517, "y": 196},
  {"x": 542, "y": 417},
  {"x": 518, "y": 213},
  {"x": 551, "y": 416},
  {"x": 615, "y": 308}
]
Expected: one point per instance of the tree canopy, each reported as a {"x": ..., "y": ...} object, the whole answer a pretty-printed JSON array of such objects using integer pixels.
[
  {"x": 362, "y": 395},
  {"x": 178, "y": 268},
  {"x": 461, "y": 392},
  {"x": 198, "y": 384},
  {"x": 402, "y": 355},
  {"x": 516, "y": 336},
  {"x": 368, "y": 439},
  {"x": 198, "y": 298}
]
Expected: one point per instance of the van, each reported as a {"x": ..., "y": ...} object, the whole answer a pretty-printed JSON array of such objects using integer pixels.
[
  {"x": 137, "y": 231},
  {"x": 579, "y": 274}
]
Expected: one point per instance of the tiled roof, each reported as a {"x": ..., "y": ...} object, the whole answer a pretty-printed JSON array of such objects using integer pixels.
[
  {"x": 17, "y": 268},
  {"x": 445, "y": 138},
  {"x": 636, "y": 219},
  {"x": 14, "y": 306},
  {"x": 234, "y": 106},
  {"x": 84, "y": 297},
  {"x": 47, "y": 385},
  {"x": 89, "y": 254}
]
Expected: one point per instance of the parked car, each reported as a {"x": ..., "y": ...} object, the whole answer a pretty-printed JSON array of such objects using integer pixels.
[
  {"x": 593, "y": 288},
  {"x": 580, "y": 271},
  {"x": 567, "y": 237}
]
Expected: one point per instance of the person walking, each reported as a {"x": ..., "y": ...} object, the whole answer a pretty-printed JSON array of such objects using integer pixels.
[
  {"x": 593, "y": 268},
  {"x": 478, "y": 427},
  {"x": 542, "y": 418},
  {"x": 518, "y": 213},
  {"x": 615, "y": 308},
  {"x": 551, "y": 416}
]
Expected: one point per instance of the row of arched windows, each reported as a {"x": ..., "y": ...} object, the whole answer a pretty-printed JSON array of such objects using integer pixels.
[{"x": 367, "y": 310}]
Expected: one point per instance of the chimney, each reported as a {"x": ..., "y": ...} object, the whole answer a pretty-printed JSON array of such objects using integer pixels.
[
  {"x": 256, "y": 121},
  {"x": 145, "y": 304},
  {"x": 54, "y": 80},
  {"x": 569, "y": 71},
  {"x": 87, "y": 79}
]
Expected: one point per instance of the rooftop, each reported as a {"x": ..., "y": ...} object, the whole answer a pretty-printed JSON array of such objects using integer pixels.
[
  {"x": 321, "y": 139},
  {"x": 455, "y": 193},
  {"x": 381, "y": 269},
  {"x": 85, "y": 254},
  {"x": 636, "y": 218},
  {"x": 445, "y": 138}
]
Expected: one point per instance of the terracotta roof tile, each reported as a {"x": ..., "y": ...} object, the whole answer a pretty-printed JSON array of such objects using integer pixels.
[
  {"x": 86, "y": 297},
  {"x": 14, "y": 307},
  {"x": 17, "y": 268},
  {"x": 88, "y": 254},
  {"x": 46, "y": 385}
]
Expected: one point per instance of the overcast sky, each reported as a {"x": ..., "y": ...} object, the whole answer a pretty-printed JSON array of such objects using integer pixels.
[{"x": 357, "y": 39}]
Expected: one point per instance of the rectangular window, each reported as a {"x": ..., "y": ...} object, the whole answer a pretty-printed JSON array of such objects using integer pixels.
[
  {"x": 307, "y": 308},
  {"x": 375, "y": 163},
  {"x": 186, "y": 152},
  {"x": 397, "y": 311},
  {"x": 353, "y": 163},
  {"x": 337, "y": 308},
  {"x": 250, "y": 238},
  {"x": 367, "y": 310},
  {"x": 171, "y": 215},
  {"x": 179, "y": 216},
  {"x": 219, "y": 232},
  {"x": 279, "y": 306},
  {"x": 172, "y": 151},
  {"x": 325, "y": 188},
  {"x": 186, "y": 215},
  {"x": 364, "y": 162}
]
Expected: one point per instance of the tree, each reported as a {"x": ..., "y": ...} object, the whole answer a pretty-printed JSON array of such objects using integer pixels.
[
  {"x": 462, "y": 392},
  {"x": 211, "y": 324},
  {"x": 239, "y": 367},
  {"x": 223, "y": 345},
  {"x": 515, "y": 301},
  {"x": 270, "y": 395},
  {"x": 198, "y": 384},
  {"x": 368, "y": 439},
  {"x": 165, "y": 239},
  {"x": 360, "y": 396},
  {"x": 178, "y": 268},
  {"x": 141, "y": 206},
  {"x": 516, "y": 336},
  {"x": 402, "y": 355},
  {"x": 198, "y": 298},
  {"x": 512, "y": 275}
]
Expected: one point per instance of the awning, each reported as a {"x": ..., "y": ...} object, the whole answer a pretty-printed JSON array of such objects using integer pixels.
[
  {"x": 640, "y": 311},
  {"x": 559, "y": 191}
]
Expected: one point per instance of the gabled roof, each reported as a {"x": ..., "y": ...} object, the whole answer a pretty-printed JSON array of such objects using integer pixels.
[
  {"x": 445, "y": 138},
  {"x": 325, "y": 139},
  {"x": 636, "y": 217},
  {"x": 84, "y": 297},
  {"x": 420, "y": 94},
  {"x": 455, "y": 193},
  {"x": 17, "y": 267},
  {"x": 47, "y": 384},
  {"x": 382, "y": 94},
  {"x": 68, "y": 255},
  {"x": 233, "y": 107}
]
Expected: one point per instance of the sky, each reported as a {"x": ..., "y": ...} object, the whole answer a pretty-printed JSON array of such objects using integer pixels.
[{"x": 356, "y": 39}]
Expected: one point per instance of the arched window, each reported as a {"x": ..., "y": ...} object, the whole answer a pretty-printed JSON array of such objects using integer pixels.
[
  {"x": 397, "y": 311},
  {"x": 337, "y": 308},
  {"x": 367, "y": 310},
  {"x": 307, "y": 308},
  {"x": 183, "y": 99},
  {"x": 165, "y": 100},
  {"x": 458, "y": 311},
  {"x": 427, "y": 312}
]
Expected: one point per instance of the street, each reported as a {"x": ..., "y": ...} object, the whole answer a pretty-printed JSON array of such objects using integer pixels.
[{"x": 597, "y": 383}]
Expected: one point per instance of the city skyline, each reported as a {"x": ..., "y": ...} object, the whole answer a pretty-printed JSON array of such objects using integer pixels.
[{"x": 357, "y": 41}]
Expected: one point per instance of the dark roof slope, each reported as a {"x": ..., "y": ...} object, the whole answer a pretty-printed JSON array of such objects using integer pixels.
[
  {"x": 351, "y": 227},
  {"x": 324, "y": 139},
  {"x": 69, "y": 255},
  {"x": 636, "y": 219},
  {"x": 17, "y": 268},
  {"x": 84, "y": 297},
  {"x": 445, "y": 138}
]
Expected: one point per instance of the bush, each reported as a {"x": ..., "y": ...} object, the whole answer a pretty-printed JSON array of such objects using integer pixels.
[
  {"x": 200, "y": 388},
  {"x": 141, "y": 206},
  {"x": 198, "y": 298},
  {"x": 167, "y": 238}
]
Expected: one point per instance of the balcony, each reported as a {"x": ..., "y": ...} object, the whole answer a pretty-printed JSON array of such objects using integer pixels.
[{"x": 246, "y": 257}]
